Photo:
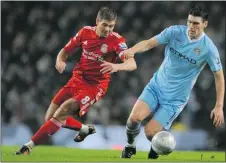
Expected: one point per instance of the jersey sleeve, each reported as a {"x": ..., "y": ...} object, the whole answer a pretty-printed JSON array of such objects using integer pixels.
[
  {"x": 120, "y": 46},
  {"x": 213, "y": 59},
  {"x": 74, "y": 42},
  {"x": 165, "y": 36}
]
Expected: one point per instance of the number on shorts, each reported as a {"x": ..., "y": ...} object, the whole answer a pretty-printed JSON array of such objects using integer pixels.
[{"x": 85, "y": 100}]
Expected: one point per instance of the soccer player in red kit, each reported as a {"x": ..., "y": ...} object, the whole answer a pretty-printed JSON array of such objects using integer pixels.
[{"x": 100, "y": 49}]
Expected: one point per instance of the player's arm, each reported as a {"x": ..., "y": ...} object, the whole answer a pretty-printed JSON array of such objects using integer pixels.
[
  {"x": 145, "y": 45},
  {"x": 127, "y": 65},
  {"x": 67, "y": 50},
  {"x": 213, "y": 60},
  {"x": 217, "y": 113},
  {"x": 61, "y": 60},
  {"x": 142, "y": 46},
  {"x": 220, "y": 87}
]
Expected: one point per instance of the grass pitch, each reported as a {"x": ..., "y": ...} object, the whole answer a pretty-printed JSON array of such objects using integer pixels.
[{"x": 63, "y": 154}]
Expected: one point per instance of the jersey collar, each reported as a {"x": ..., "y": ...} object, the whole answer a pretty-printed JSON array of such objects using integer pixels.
[{"x": 194, "y": 40}]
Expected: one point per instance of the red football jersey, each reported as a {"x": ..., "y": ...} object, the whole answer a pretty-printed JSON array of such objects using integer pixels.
[{"x": 94, "y": 50}]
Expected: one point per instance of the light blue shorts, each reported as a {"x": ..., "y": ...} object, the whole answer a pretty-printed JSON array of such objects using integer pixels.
[{"x": 164, "y": 112}]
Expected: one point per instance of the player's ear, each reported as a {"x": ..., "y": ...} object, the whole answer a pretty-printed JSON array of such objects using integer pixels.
[
  {"x": 97, "y": 21},
  {"x": 205, "y": 24}
]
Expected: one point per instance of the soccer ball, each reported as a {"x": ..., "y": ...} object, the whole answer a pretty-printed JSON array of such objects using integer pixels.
[{"x": 163, "y": 143}]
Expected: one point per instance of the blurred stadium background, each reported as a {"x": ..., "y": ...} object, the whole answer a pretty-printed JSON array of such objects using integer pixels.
[{"x": 32, "y": 34}]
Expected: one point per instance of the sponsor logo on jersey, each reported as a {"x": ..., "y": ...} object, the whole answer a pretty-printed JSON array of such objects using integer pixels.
[
  {"x": 92, "y": 56},
  {"x": 197, "y": 51},
  {"x": 123, "y": 46},
  {"x": 182, "y": 57},
  {"x": 104, "y": 48}
]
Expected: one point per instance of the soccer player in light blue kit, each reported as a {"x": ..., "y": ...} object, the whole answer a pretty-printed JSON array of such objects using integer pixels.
[{"x": 188, "y": 50}]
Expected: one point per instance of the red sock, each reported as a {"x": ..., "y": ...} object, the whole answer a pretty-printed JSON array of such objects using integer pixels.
[
  {"x": 72, "y": 123},
  {"x": 48, "y": 128}
]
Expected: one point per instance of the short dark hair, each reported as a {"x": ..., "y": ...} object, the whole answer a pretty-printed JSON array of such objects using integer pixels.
[
  {"x": 105, "y": 13},
  {"x": 199, "y": 11}
]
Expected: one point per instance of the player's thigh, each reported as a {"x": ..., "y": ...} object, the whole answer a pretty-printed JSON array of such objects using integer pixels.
[
  {"x": 140, "y": 111},
  {"x": 62, "y": 95},
  {"x": 162, "y": 119},
  {"x": 87, "y": 97},
  {"x": 69, "y": 107},
  {"x": 146, "y": 103},
  {"x": 51, "y": 110},
  {"x": 167, "y": 113}
]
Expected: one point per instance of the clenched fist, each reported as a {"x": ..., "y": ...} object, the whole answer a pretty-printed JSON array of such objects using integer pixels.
[
  {"x": 129, "y": 53},
  {"x": 60, "y": 66}
]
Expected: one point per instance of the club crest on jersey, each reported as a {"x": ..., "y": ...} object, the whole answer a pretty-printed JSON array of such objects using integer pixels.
[
  {"x": 197, "y": 51},
  {"x": 104, "y": 48},
  {"x": 218, "y": 60}
]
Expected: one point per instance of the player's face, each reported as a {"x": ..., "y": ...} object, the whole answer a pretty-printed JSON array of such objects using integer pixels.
[
  {"x": 196, "y": 26},
  {"x": 104, "y": 27}
]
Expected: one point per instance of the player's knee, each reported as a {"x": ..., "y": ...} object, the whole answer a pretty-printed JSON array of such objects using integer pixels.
[
  {"x": 47, "y": 117},
  {"x": 134, "y": 119},
  {"x": 61, "y": 114},
  {"x": 51, "y": 111},
  {"x": 133, "y": 124},
  {"x": 69, "y": 107}
]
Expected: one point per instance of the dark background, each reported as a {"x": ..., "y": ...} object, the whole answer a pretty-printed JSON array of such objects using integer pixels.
[{"x": 33, "y": 33}]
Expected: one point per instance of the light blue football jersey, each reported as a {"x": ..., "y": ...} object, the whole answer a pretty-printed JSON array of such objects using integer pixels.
[{"x": 183, "y": 62}]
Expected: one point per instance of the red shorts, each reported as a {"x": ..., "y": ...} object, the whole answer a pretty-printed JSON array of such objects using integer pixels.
[{"x": 84, "y": 93}]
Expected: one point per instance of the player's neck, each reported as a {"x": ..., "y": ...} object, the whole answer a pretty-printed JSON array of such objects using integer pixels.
[
  {"x": 98, "y": 33},
  {"x": 196, "y": 37}
]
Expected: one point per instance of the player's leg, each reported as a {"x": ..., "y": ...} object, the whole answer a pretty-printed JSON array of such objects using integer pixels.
[
  {"x": 51, "y": 126},
  {"x": 70, "y": 123},
  {"x": 151, "y": 128},
  {"x": 162, "y": 120},
  {"x": 139, "y": 112},
  {"x": 146, "y": 104},
  {"x": 51, "y": 110},
  {"x": 71, "y": 107},
  {"x": 60, "y": 97},
  {"x": 64, "y": 94},
  {"x": 85, "y": 99}
]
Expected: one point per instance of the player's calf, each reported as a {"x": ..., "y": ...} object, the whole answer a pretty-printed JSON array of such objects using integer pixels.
[
  {"x": 132, "y": 130},
  {"x": 51, "y": 110}
]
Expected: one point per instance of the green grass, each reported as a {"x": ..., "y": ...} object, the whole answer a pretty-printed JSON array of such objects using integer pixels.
[{"x": 63, "y": 154}]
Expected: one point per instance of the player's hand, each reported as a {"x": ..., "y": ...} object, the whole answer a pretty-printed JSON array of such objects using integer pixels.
[
  {"x": 128, "y": 53},
  {"x": 109, "y": 67},
  {"x": 60, "y": 66},
  {"x": 217, "y": 115}
]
